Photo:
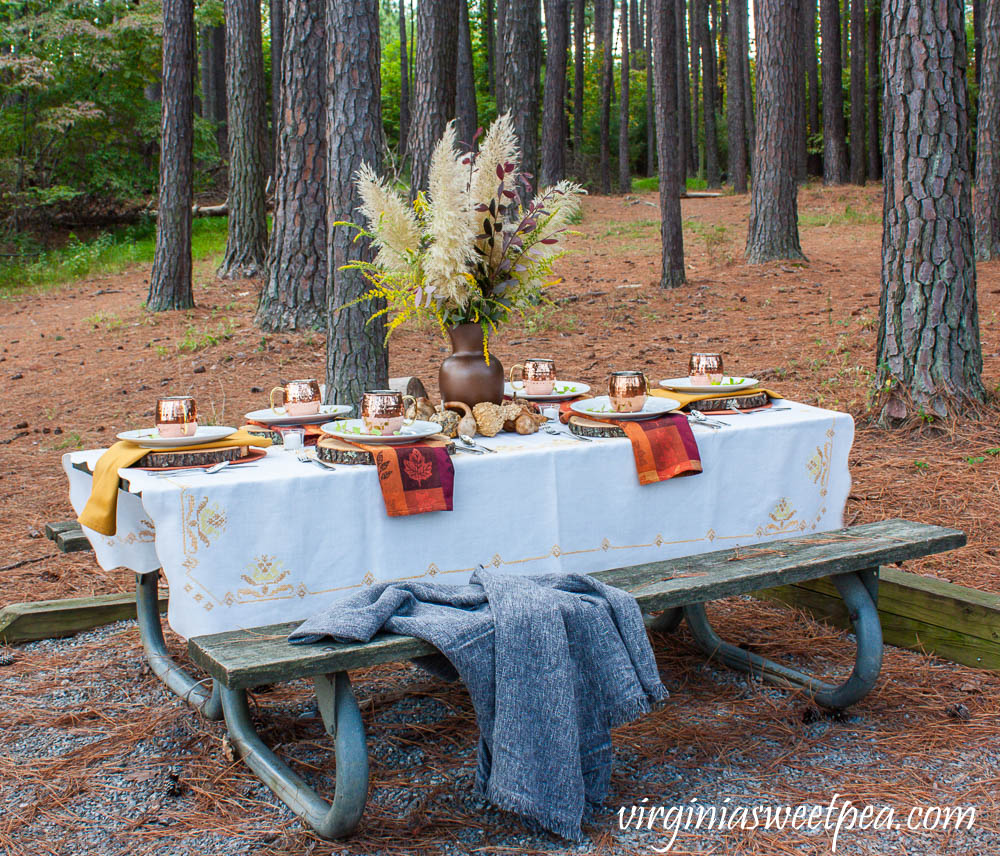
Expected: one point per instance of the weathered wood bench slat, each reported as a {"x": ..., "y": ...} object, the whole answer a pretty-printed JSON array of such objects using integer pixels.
[{"x": 246, "y": 658}]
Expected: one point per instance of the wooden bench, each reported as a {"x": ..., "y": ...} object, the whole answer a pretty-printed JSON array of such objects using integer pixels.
[
  {"x": 667, "y": 591},
  {"x": 67, "y": 535}
]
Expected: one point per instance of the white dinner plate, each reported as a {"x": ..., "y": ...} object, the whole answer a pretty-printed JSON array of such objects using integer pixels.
[
  {"x": 281, "y": 418},
  {"x": 149, "y": 438},
  {"x": 354, "y": 431},
  {"x": 600, "y": 408},
  {"x": 561, "y": 391},
  {"x": 729, "y": 384}
]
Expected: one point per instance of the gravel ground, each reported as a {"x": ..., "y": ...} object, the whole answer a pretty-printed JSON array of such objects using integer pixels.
[{"x": 98, "y": 758}]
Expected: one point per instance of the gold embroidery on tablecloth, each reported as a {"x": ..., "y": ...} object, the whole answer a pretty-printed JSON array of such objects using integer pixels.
[
  {"x": 264, "y": 574},
  {"x": 145, "y": 534}
]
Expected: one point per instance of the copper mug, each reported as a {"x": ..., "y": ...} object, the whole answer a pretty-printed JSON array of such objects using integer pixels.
[
  {"x": 384, "y": 411},
  {"x": 300, "y": 397},
  {"x": 705, "y": 369},
  {"x": 176, "y": 416},
  {"x": 538, "y": 376},
  {"x": 627, "y": 391}
]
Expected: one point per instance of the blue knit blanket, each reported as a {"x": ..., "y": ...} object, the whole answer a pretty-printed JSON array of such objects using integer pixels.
[{"x": 552, "y": 663}]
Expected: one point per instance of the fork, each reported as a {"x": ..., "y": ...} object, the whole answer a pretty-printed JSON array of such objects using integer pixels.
[
  {"x": 548, "y": 429},
  {"x": 306, "y": 458}
]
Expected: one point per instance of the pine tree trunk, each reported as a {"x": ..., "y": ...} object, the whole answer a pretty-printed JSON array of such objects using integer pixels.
[
  {"x": 294, "y": 293},
  {"x": 277, "y": 21},
  {"x": 650, "y": 118},
  {"x": 605, "y": 46},
  {"x": 404, "y": 83},
  {"x": 987, "y": 209},
  {"x": 213, "y": 83},
  {"x": 499, "y": 57},
  {"x": 774, "y": 232},
  {"x": 834, "y": 142},
  {"x": 801, "y": 119},
  {"x": 748, "y": 90},
  {"x": 466, "y": 111},
  {"x": 694, "y": 15},
  {"x": 356, "y": 357},
  {"x": 709, "y": 92},
  {"x": 624, "y": 157},
  {"x": 928, "y": 349},
  {"x": 170, "y": 280},
  {"x": 977, "y": 36},
  {"x": 858, "y": 165},
  {"x": 521, "y": 72},
  {"x": 664, "y": 40},
  {"x": 579, "y": 25},
  {"x": 874, "y": 91},
  {"x": 554, "y": 106},
  {"x": 491, "y": 49},
  {"x": 434, "y": 87},
  {"x": 635, "y": 32},
  {"x": 735, "y": 118},
  {"x": 812, "y": 65},
  {"x": 246, "y": 247},
  {"x": 688, "y": 144}
]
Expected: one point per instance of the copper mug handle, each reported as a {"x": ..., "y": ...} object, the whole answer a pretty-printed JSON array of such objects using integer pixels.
[
  {"x": 406, "y": 420},
  {"x": 270, "y": 397},
  {"x": 513, "y": 369}
]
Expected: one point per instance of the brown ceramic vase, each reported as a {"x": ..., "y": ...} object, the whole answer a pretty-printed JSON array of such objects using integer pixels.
[{"x": 465, "y": 376}]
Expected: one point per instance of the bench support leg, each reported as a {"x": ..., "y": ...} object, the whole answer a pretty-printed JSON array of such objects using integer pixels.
[
  {"x": 854, "y": 589},
  {"x": 163, "y": 665},
  {"x": 329, "y": 820},
  {"x": 667, "y": 621}
]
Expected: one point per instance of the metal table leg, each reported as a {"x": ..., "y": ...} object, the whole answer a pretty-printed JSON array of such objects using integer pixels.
[
  {"x": 160, "y": 661},
  {"x": 343, "y": 721},
  {"x": 855, "y": 589},
  {"x": 667, "y": 621}
]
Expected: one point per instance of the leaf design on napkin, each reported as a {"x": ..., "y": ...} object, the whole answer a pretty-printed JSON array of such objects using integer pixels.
[{"x": 417, "y": 467}]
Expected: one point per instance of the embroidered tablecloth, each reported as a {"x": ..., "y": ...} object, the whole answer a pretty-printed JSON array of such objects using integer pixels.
[{"x": 275, "y": 542}]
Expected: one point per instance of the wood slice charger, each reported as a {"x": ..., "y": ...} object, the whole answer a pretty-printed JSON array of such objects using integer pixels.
[
  {"x": 335, "y": 451},
  {"x": 732, "y": 402},
  {"x": 201, "y": 458},
  {"x": 592, "y": 428}
]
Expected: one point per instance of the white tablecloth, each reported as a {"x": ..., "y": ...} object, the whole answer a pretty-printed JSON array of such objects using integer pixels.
[{"x": 277, "y": 541}]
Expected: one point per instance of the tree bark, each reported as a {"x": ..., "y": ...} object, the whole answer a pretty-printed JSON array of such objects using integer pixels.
[
  {"x": 858, "y": 165},
  {"x": 579, "y": 25},
  {"x": 466, "y": 111},
  {"x": 404, "y": 83},
  {"x": 977, "y": 36},
  {"x": 688, "y": 144},
  {"x": 698, "y": 151},
  {"x": 491, "y": 49},
  {"x": 624, "y": 155},
  {"x": 213, "y": 82},
  {"x": 650, "y": 118},
  {"x": 603, "y": 24},
  {"x": 874, "y": 91},
  {"x": 277, "y": 21},
  {"x": 801, "y": 120},
  {"x": 499, "y": 56},
  {"x": 521, "y": 71},
  {"x": 748, "y": 91},
  {"x": 635, "y": 32},
  {"x": 246, "y": 247},
  {"x": 709, "y": 92},
  {"x": 834, "y": 143},
  {"x": 170, "y": 280},
  {"x": 356, "y": 356},
  {"x": 735, "y": 109},
  {"x": 774, "y": 232},
  {"x": 434, "y": 88},
  {"x": 554, "y": 106},
  {"x": 987, "y": 211},
  {"x": 664, "y": 39},
  {"x": 928, "y": 351},
  {"x": 294, "y": 294},
  {"x": 812, "y": 66}
]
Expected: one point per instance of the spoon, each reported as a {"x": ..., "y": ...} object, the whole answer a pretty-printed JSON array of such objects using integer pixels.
[{"x": 465, "y": 438}]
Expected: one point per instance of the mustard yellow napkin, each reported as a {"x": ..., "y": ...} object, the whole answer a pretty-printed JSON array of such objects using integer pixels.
[
  {"x": 685, "y": 398},
  {"x": 101, "y": 511}
]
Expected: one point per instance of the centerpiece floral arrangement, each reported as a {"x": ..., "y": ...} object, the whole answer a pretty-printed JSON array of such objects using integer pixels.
[{"x": 472, "y": 249}]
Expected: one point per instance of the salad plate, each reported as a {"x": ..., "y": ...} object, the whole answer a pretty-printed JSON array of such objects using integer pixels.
[
  {"x": 354, "y": 431},
  {"x": 600, "y": 408},
  {"x": 728, "y": 384},
  {"x": 279, "y": 417},
  {"x": 149, "y": 438},
  {"x": 561, "y": 391}
]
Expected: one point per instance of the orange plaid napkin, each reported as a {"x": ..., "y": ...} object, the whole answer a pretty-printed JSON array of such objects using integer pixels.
[
  {"x": 414, "y": 478},
  {"x": 663, "y": 448}
]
